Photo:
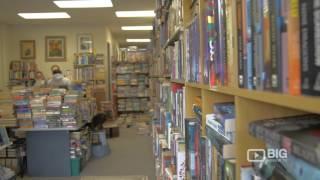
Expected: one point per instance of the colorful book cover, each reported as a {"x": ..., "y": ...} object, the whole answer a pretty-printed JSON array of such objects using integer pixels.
[
  {"x": 284, "y": 45},
  {"x": 222, "y": 62},
  {"x": 294, "y": 63}
]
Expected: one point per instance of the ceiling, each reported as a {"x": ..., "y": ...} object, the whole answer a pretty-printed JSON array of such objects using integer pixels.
[{"x": 95, "y": 16}]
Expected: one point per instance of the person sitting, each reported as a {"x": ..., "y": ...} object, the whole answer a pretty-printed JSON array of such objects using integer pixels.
[
  {"x": 39, "y": 80},
  {"x": 58, "y": 80}
]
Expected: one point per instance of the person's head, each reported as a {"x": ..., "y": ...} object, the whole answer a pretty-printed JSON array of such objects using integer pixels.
[
  {"x": 56, "y": 71},
  {"x": 39, "y": 75}
]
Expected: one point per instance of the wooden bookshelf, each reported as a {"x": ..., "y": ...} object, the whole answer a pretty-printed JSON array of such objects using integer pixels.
[{"x": 250, "y": 105}]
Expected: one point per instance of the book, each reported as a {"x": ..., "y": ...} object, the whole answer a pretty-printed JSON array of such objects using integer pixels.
[
  {"x": 230, "y": 169},
  {"x": 298, "y": 134},
  {"x": 181, "y": 161},
  {"x": 212, "y": 43},
  {"x": 310, "y": 71},
  {"x": 284, "y": 46},
  {"x": 275, "y": 39},
  {"x": 294, "y": 64},
  {"x": 267, "y": 44},
  {"x": 240, "y": 45}
]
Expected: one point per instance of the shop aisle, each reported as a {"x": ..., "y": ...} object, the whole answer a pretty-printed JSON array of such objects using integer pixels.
[{"x": 131, "y": 155}]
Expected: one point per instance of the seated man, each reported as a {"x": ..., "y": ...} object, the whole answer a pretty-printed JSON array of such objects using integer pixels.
[{"x": 58, "y": 80}]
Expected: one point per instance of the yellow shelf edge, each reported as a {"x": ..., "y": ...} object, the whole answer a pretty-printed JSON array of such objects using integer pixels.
[{"x": 303, "y": 103}]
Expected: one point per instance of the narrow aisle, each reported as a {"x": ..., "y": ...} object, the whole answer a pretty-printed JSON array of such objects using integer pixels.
[{"x": 131, "y": 154}]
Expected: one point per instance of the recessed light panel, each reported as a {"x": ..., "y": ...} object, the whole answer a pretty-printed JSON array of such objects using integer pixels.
[
  {"x": 138, "y": 40},
  {"x": 45, "y": 15},
  {"x": 149, "y": 13},
  {"x": 84, "y": 3},
  {"x": 136, "y": 28}
]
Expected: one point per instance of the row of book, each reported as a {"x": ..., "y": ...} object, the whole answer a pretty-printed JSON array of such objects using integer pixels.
[
  {"x": 84, "y": 74},
  {"x": 85, "y": 59},
  {"x": 23, "y": 66},
  {"x": 133, "y": 105},
  {"x": 132, "y": 79},
  {"x": 132, "y": 68},
  {"x": 21, "y": 100},
  {"x": 128, "y": 91},
  {"x": 133, "y": 56},
  {"x": 175, "y": 55}
]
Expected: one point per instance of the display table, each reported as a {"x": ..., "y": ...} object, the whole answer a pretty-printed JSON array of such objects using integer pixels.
[{"x": 48, "y": 151}]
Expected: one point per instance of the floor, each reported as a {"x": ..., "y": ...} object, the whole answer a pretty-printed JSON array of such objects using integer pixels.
[{"x": 130, "y": 158}]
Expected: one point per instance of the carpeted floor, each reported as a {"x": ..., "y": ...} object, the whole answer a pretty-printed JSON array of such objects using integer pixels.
[{"x": 131, "y": 158}]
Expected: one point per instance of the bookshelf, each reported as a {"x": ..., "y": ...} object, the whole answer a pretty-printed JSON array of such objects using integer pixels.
[
  {"x": 131, "y": 82},
  {"x": 22, "y": 72},
  {"x": 227, "y": 79},
  {"x": 89, "y": 68}
]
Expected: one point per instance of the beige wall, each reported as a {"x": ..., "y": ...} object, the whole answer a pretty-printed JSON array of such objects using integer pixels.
[
  {"x": 4, "y": 64},
  {"x": 38, "y": 33}
]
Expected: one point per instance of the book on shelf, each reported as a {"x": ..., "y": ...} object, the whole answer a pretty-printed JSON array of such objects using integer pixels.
[{"x": 297, "y": 134}]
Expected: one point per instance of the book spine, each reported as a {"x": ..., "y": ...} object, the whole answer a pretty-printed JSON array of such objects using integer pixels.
[
  {"x": 310, "y": 71},
  {"x": 294, "y": 46},
  {"x": 255, "y": 44},
  {"x": 260, "y": 60},
  {"x": 316, "y": 59},
  {"x": 229, "y": 43},
  {"x": 267, "y": 44},
  {"x": 217, "y": 45},
  {"x": 245, "y": 39},
  {"x": 273, "y": 41},
  {"x": 240, "y": 45},
  {"x": 212, "y": 42},
  {"x": 181, "y": 162},
  {"x": 249, "y": 45},
  {"x": 284, "y": 46},
  {"x": 206, "y": 51}
]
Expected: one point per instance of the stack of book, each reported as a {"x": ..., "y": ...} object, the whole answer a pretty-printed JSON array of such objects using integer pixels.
[
  {"x": 177, "y": 71},
  {"x": 53, "y": 112},
  {"x": 23, "y": 113},
  {"x": 39, "y": 112},
  {"x": 69, "y": 111}
]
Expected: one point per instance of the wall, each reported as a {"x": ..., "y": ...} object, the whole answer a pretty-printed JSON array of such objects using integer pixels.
[
  {"x": 4, "y": 64},
  {"x": 38, "y": 33}
]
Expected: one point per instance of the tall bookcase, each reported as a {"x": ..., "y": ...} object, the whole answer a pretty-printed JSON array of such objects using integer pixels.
[
  {"x": 131, "y": 80},
  {"x": 215, "y": 66}
]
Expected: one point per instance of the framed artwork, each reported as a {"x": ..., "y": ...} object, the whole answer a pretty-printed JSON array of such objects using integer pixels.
[
  {"x": 85, "y": 43},
  {"x": 55, "y": 48},
  {"x": 28, "y": 49}
]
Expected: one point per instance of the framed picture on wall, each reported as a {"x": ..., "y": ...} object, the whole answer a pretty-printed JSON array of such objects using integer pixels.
[
  {"x": 55, "y": 48},
  {"x": 28, "y": 49},
  {"x": 85, "y": 43}
]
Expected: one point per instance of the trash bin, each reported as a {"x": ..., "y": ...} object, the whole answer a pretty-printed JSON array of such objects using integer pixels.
[{"x": 99, "y": 146}]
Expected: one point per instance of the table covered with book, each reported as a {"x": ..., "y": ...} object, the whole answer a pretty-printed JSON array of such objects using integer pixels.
[{"x": 58, "y": 142}]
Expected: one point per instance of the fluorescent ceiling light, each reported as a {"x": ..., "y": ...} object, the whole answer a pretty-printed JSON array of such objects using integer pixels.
[
  {"x": 47, "y": 15},
  {"x": 84, "y": 3},
  {"x": 133, "y": 28},
  {"x": 138, "y": 40},
  {"x": 135, "y": 13}
]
